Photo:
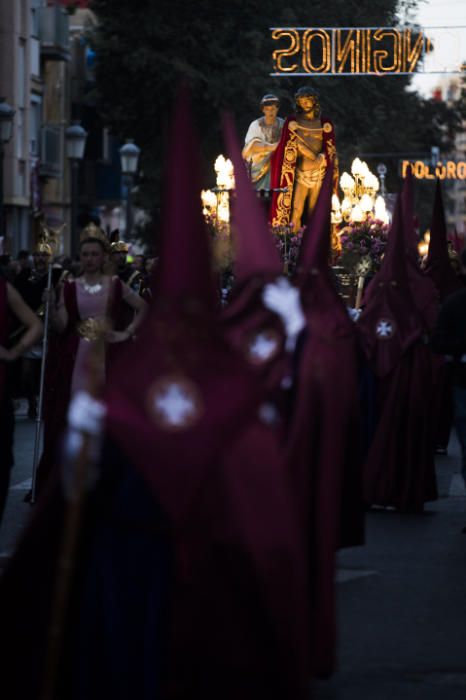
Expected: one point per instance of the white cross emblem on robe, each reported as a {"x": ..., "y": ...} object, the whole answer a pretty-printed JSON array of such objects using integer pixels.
[
  {"x": 384, "y": 329},
  {"x": 262, "y": 347},
  {"x": 174, "y": 403}
]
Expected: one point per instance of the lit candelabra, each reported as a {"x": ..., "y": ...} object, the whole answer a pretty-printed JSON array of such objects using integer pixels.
[
  {"x": 216, "y": 202},
  {"x": 423, "y": 246},
  {"x": 360, "y": 199}
]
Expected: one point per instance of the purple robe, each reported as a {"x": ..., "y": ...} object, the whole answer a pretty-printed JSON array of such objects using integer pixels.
[{"x": 399, "y": 469}]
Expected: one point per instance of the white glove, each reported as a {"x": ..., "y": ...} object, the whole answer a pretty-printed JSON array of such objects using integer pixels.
[
  {"x": 354, "y": 314},
  {"x": 284, "y": 299},
  {"x": 85, "y": 416}
]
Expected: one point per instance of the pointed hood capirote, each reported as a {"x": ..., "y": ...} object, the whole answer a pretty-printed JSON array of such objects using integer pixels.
[
  {"x": 171, "y": 385},
  {"x": 184, "y": 407},
  {"x": 184, "y": 275},
  {"x": 393, "y": 268},
  {"x": 391, "y": 321},
  {"x": 256, "y": 262},
  {"x": 326, "y": 471},
  {"x": 399, "y": 466},
  {"x": 407, "y": 203},
  {"x": 255, "y": 252},
  {"x": 422, "y": 287},
  {"x": 438, "y": 266},
  {"x": 315, "y": 248},
  {"x": 313, "y": 274}
]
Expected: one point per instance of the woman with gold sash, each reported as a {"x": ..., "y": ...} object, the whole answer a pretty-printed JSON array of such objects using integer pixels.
[{"x": 86, "y": 311}]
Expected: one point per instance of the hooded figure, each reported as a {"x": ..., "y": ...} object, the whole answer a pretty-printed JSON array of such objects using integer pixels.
[
  {"x": 439, "y": 269},
  {"x": 323, "y": 442},
  {"x": 423, "y": 290},
  {"x": 399, "y": 469},
  {"x": 217, "y": 472},
  {"x": 192, "y": 573},
  {"x": 438, "y": 266},
  {"x": 255, "y": 330}
]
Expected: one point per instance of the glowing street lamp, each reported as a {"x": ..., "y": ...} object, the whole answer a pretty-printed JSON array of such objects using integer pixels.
[
  {"x": 75, "y": 138},
  {"x": 129, "y": 159}
]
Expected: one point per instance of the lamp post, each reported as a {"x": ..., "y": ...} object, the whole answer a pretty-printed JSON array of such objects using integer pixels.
[
  {"x": 382, "y": 171},
  {"x": 75, "y": 137},
  {"x": 6, "y": 129},
  {"x": 129, "y": 157}
]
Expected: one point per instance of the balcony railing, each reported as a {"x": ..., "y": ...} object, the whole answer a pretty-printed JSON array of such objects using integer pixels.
[
  {"x": 51, "y": 157},
  {"x": 54, "y": 33}
]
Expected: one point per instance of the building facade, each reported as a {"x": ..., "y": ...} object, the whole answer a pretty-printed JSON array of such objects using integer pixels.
[
  {"x": 46, "y": 77},
  {"x": 448, "y": 89},
  {"x": 21, "y": 87}
]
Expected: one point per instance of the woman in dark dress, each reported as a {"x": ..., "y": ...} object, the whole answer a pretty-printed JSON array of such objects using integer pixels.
[
  {"x": 87, "y": 309},
  {"x": 11, "y": 304}
]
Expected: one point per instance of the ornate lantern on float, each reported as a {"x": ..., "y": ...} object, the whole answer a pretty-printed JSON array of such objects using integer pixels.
[{"x": 360, "y": 199}]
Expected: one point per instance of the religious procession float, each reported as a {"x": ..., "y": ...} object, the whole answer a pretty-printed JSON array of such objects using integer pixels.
[{"x": 360, "y": 223}]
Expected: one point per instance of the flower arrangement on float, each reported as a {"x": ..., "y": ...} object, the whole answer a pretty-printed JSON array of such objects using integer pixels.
[
  {"x": 363, "y": 244},
  {"x": 288, "y": 242}
]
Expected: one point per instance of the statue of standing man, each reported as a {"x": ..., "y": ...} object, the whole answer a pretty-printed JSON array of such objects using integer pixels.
[
  {"x": 306, "y": 149},
  {"x": 261, "y": 141}
]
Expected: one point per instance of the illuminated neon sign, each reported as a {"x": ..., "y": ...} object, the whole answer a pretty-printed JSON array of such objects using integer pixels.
[
  {"x": 425, "y": 170},
  {"x": 334, "y": 51}
]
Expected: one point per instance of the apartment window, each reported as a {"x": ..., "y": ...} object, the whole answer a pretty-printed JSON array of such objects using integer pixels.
[
  {"x": 35, "y": 57},
  {"x": 21, "y": 189},
  {"x": 21, "y": 75},
  {"x": 19, "y": 126},
  {"x": 34, "y": 127},
  {"x": 35, "y": 4}
]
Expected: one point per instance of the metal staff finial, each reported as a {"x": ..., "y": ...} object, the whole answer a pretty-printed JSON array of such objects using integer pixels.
[{"x": 49, "y": 242}]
